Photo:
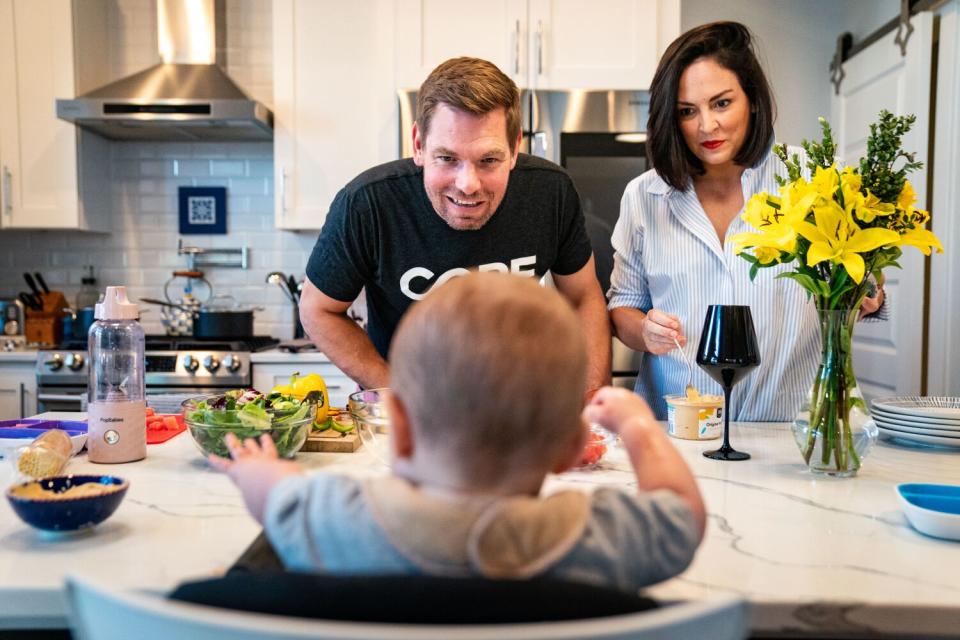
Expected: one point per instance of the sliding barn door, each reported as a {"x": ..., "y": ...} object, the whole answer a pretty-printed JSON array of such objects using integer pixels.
[{"x": 889, "y": 355}]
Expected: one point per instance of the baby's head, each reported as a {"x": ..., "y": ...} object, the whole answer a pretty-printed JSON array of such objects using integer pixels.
[{"x": 488, "y": 374}]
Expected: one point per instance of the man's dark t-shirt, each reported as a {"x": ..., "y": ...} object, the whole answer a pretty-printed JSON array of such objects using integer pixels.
[{"x": 383, "y": 233}]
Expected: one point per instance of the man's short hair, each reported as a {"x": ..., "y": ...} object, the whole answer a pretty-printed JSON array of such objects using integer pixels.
[
  {"x": 472, "y": 85},
  {"x": 730, "y": 45},
  {"x": 492, "y": 367}
]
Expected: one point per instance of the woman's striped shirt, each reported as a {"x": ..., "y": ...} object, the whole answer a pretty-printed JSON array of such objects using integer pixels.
[{"x": 668, "y": 256}]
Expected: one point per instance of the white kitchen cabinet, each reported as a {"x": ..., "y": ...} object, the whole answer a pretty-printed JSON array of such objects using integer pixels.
[
  {"x": 541, "y": 44},
  {"x": 602, "y": 44},
  {"x": 18, "y": 389},
  {"x": 335, "y": 108},
  {"x": 39, "y": 180},
  {"x": 267, "y": 375},
  {"x": 431, "y": 31}
]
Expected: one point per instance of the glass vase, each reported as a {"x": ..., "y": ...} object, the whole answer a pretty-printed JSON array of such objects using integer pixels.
[{"x": 833, "y": 429}]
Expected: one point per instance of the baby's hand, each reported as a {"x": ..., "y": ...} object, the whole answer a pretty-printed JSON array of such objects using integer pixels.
[
  {"x": 614, "y": 408},
  {"x": 244, "y": 451},
  {"x": 254, "y": 468}
]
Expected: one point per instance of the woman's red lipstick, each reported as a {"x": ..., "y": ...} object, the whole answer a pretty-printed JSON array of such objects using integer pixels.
[{"x": 711, "y": 144}]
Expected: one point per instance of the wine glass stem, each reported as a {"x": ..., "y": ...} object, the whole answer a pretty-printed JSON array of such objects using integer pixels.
[{"x": 726, "y": 418}]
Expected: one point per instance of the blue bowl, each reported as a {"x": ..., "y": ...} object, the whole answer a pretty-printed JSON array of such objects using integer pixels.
[
  {"x": 44, "y": 505},
  {"x": 932, "y": 509}
]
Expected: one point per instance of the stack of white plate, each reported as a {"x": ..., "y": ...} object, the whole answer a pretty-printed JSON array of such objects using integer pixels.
[{"x": 924, "y": 419}]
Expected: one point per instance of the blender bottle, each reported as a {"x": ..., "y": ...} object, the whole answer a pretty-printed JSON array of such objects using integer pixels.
[{"x": 116, "y": 410}]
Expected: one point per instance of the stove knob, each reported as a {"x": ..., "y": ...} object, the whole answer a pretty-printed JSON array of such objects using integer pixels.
[
  {"x": 211, "y": 364},
  {"x": 55, "y": 362},
  {"x": 232, "y": 363},
  {"x": 190, "y": 363},
  {"x": 75, "y": 361}
]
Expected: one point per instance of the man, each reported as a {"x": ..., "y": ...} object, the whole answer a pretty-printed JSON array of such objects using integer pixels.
[{"x": 467, "y": 200}]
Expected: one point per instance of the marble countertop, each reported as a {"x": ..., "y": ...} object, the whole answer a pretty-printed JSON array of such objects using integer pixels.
[
  {"x": 22, "y": 355},
  {"x": 814, "y": 556}
]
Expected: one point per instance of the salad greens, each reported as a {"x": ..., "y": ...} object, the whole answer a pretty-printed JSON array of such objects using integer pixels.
[{"x": 247, "y": 413}]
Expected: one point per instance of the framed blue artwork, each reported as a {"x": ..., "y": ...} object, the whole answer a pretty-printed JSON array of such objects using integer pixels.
[{"x": 203, "y": 210}]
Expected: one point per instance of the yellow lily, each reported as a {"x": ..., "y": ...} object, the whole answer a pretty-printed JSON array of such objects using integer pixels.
[
  {"x": 837, "y": 239},
  {"x": 777, "y": 227},
  {"x": 869, "y": 207},
  {"x": 921, "y": 239},
  {"x": 907, "y": 196},
  {"x": 826, "y": 181}
]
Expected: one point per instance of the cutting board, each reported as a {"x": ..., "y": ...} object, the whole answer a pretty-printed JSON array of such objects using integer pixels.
[{"x": 331, "y": 441}]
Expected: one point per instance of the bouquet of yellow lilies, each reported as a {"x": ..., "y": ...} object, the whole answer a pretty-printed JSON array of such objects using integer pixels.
[{"x": 837, "y": 228}]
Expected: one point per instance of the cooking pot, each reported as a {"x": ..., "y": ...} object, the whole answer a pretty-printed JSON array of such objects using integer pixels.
[
  {"x": 80, "y": 321},
  {"x": 220, "y": 318}
]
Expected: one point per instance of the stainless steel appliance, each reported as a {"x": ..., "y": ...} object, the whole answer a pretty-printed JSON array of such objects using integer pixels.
[
  {"x": 599, "y": 137},
  {"x": 12, "y": 325},
  {"x": 186, "y": 97},
  {"x": 174, "y": 366}
]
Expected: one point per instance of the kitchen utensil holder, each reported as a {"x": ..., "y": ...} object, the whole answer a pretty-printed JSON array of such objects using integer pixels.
[
  {"x": 46, "y": 326},
  {"x": 204, "y": 257}
]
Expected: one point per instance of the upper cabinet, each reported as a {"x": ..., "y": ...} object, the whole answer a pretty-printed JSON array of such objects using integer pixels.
[
  {"x": 431, "y": 31},
  {"x": 40, "y": 187},
  {"x": 541, "y": 44},
  {"x": 335, "y": 108}
]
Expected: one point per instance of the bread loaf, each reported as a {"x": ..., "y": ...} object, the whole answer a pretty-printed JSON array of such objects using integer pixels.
[{"x": 46, "y": 455}]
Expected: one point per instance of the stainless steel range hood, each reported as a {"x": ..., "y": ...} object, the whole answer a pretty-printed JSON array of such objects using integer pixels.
[{"x": 186, "y": 97}]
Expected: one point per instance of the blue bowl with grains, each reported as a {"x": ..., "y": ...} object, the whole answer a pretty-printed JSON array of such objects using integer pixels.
[{"x": 67, "y": 503}]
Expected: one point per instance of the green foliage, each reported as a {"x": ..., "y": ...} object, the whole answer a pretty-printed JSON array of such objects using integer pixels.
[
  {"x": 821, "y": 154},
  {"x": 883, "y": 151}
]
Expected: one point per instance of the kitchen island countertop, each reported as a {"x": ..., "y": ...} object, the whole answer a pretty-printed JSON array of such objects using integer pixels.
[{"x": 814, "y": 556}]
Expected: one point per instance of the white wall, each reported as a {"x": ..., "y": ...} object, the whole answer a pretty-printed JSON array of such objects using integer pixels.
[
  {"x": 141, "y": 252},
  {"x": 795, "y": 41}
]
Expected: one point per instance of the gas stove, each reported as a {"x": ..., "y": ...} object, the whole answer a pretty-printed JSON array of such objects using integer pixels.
[{"x": 173, "y": 365}]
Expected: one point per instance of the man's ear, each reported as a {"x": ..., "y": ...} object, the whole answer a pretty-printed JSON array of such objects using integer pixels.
[
  {"x": 516, "y": 150},
  {"x": 401, "y": 433},
  {"x": 574, "y": 451},
  {"x": 418, "y": 141}
]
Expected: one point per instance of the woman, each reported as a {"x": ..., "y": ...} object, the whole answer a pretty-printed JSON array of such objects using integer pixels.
[{"x": 709, "y": 139}]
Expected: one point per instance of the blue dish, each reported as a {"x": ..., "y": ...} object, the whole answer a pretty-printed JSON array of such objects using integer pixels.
[
  {"x": 932, "y": 509},
  {"x": 55, "y": 512}
]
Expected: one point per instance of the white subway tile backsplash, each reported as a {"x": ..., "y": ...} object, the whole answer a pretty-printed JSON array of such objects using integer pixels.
[
  {"x": 157, "y": 168},
  {"x": 192, "y": 168},
  {"x": 228, "y": 168}
]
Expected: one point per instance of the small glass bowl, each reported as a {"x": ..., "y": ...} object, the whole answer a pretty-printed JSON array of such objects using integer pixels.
[
  {"x": 369, "y": 413},
  {"x": 599, "y": 441}
]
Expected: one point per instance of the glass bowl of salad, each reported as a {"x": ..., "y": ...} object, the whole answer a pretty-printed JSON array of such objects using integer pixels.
[{"x": 247, "y": 413}]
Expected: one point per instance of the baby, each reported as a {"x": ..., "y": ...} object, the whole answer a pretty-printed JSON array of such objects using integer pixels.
[{"x": 487, "y": 375}]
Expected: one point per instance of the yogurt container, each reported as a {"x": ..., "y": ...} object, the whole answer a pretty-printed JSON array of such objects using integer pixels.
[{"x": 694, "y": 418}]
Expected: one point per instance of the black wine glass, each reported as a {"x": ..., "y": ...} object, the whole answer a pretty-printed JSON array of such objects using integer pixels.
[{"x": 728, "y": 352}]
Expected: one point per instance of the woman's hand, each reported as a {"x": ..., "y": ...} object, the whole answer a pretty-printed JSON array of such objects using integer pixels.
[
  {"x": 872, "y": 304},
  {"x": 659, "y": 330},
  {"x": 254, "y": 468}
]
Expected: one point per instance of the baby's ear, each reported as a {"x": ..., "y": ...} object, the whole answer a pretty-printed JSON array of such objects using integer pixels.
[
  {"x": 570, "y": 456},
  {"x": 401, "y": 434}
]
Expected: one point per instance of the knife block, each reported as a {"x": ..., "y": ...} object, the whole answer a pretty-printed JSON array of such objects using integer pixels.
[{"x": 46, "y": 326}]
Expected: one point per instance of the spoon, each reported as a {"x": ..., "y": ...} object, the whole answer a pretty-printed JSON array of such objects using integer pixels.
[{"x": 691, "y": 390}]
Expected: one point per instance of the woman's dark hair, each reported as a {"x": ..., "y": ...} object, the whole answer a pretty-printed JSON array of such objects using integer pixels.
[{"x": 729, "y": 45}]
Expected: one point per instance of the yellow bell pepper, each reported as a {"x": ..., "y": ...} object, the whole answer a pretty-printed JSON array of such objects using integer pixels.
[{"x": 299, "y": 387}]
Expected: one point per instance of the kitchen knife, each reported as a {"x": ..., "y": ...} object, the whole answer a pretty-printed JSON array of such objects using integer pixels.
[
  {"x": 41, "y": 282},
  {"x": 29, "y": 301},
  {"x": 292, "y": 287},
  {"x": 32, "y": 284}
]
